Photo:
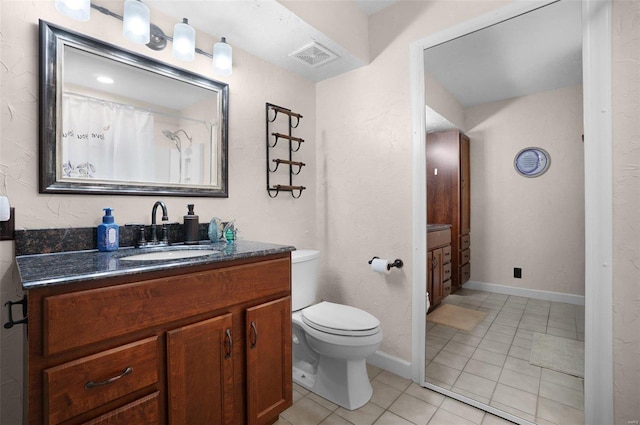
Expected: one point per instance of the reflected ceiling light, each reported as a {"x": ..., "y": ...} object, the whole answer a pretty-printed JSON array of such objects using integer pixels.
[
  {"x": 138, "y": 28},
  {"x": 80, "y": 10},
  {"x": 136, "y": 21},
  {"x": 184, "y": 41},
  {"x": 104, "y": 79},
  {"x": 222, "y": 57}
]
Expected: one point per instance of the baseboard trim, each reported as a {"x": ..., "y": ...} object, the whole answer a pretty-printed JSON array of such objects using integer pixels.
[
  {"x": 391, "y": 363},
  {"x": 525, "y": 292}
]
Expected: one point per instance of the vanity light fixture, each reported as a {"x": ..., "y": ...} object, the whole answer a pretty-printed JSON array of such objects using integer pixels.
[
  {"x": 138, "y": 28},
  {"x": 184, "y": 41},
  {"x": 80, "y": 10},
  {"x": 222, "y": 57},
  {"x": 136, "y": 21}
]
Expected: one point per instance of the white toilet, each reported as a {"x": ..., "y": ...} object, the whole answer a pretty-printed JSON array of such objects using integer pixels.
[{"x": 330, "y": 341}]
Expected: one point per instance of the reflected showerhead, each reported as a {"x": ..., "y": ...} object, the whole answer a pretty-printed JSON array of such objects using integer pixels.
[{"x": 175, "y": 138}]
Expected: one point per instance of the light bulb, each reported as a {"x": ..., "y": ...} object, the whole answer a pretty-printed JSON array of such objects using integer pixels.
[
  {"x": 222, "y": 58},
  {"x": 80, "y": 10},
  {"x": 136, "y": 21},
  {"x": 184, "y": 41}
]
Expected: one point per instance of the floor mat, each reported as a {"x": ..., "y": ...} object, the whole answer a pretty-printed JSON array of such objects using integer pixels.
[
  {"x": 557, "y": 353},
  {"x": 456, "y": 317}
]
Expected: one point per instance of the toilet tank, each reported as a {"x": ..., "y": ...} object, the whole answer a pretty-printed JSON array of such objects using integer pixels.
[{"x": 304, "y": 278}]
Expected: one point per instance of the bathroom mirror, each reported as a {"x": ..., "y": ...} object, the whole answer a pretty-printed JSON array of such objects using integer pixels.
[{"x": 115, "y": 122}]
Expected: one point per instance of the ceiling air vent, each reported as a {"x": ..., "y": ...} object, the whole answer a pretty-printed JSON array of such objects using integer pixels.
[{"x": 314, "y": 54}]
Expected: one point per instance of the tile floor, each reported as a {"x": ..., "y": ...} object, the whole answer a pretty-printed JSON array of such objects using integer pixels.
[
  {"x": 395, "y": 401},
  {"x": 489, "y": 364}
]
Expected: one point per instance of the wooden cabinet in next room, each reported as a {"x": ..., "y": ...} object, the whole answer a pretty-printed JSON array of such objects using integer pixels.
[{"x": 449, "y": 196}]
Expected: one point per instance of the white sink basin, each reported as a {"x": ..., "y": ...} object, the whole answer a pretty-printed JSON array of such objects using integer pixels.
[{"x": 170, "y": 255}]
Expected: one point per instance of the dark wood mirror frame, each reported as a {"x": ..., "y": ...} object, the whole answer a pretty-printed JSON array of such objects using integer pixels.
[{"x": 52, "y": 40}]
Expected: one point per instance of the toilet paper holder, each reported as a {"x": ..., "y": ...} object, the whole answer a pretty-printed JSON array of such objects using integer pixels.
[{"x": 397, "y": 263}]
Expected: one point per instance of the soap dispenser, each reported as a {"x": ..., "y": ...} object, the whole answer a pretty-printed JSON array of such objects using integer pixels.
[
  {"x": 191, "y": 227},
  {"x": 108, "y": 232}
]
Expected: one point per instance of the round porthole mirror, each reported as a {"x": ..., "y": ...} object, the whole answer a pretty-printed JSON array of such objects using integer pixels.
[{"x": 532, "y": 162}]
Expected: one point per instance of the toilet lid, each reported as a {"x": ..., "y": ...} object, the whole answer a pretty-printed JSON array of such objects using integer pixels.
[{"x": 340, "y": 319}]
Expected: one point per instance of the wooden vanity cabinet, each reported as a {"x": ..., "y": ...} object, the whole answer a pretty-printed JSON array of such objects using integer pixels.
[
  {"x": 438, "y": 266},
  {"x": 449, "y": 196},
  {"x": 208, "y": 344}
]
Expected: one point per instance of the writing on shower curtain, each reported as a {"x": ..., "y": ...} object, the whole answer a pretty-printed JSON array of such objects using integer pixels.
[{"x": 105, "y": 140}]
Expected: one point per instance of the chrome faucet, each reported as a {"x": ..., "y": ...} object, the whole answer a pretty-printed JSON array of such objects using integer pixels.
[{"x": 165, "y": 217}]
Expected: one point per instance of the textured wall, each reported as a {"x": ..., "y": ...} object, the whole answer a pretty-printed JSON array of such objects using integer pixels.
[
  {"x": 254, "y": 82},
  {"x": 533, "y": 223},
  {"x": 364, "y": 168},
  {"x": 626, "y": 210}
]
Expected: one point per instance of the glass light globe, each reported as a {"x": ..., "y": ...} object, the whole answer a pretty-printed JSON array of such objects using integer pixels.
[
  {"x": 184, "y": 41},
  {"x": 222, "y": 58},
  {"x": 136, "y": 22},
  {"x": 80, "y": 10}
]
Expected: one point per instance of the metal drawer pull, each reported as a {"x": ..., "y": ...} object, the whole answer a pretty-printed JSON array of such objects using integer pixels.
[
  {"x": 254, "y": 335},
  {"x": 92, "y": 384},
  {"x": 229, "y": 344}
]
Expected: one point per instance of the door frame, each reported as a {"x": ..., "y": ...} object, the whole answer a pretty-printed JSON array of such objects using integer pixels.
[{"x": 596, "y": 54}]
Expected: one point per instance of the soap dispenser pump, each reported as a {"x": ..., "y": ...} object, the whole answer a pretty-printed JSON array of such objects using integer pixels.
[
  {"x": 191, "y": 222},
  {"x": 108, "y": 232}
]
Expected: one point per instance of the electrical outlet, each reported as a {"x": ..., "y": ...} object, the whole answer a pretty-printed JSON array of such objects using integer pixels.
[{"x": 517, "y": 272}]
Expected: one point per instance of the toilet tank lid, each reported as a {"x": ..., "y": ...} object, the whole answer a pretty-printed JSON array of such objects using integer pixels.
[{"x": 301, "y": 255}]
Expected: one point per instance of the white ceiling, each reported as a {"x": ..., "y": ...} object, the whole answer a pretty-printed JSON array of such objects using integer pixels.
[{"x": 534, "y": 52}]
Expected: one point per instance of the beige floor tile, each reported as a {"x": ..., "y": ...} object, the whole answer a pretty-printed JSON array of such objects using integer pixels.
[
  {"x": 520, "y": 353},
  {"x": 299, "y": 388},
  {"x": 322, "y": 402},
  {"x": 522, "y": 342},
  {"x": 493, "y": 335},
  {"x": 463, "y": 410},
  {"x": 450, "y": 359},
  {"x": 366, "y": 415},
  {"x": 535, "y": 327},
  {"x": 458, "y": 348},
  {"x": 413, "y": 409},
  {"x": 570, "y": 326},
  {"x": 518, "y": 399},
  {"x": 563, "y": 379},
  {"x": 425, "y": 394},
  {"x": 334, "y": 419},
  {"x": 558, "y": 413},
  {"x": 523, "y": 366},
  {"x": 383, "y": 394},
  {"x": 393, "y": 380},
  {"x": 373, "y": 371},
  {"x": 475, "y": 384},
  {"x": 305, "y": 412},
  {"x": 441, "y": 331},
  {"x": 520, "y": 381},
  {"x": 504, "y": 329},
  {"x": 389, "y": 418},
  {"x": 466, "y": 339},
  {"x": 564, "y": 333},
  {"x": 489, "y": 357},
  {"x": 443, "y": 417},
  {"x": 281, "y": 421},
  {"x": 470, "y": 395},
  {"x": 561, "y": 394},
  {"x": 494, "y": 346},
  {"x": 297, "y": 395},
  {"x": 483, "y": 369},
  {"x": 442, "y": 373}
]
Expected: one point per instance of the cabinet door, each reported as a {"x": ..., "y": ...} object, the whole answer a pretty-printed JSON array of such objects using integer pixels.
[
  {"x": 144, "y": 411},
  {"x": 269, "y": 368},
  {"x": 430, "y": 279},
  {"x": 200, "y": 373},
  {"x": 465, "y": 186}
]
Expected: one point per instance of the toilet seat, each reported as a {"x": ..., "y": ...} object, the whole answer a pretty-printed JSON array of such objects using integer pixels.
[{"x": 338, "y": 319}]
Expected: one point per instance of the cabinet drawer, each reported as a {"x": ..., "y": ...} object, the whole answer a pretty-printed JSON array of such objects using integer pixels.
[
  {"x": 446, "y": 254},
  {"x": 465, "y": 273},
  {"x": 81, "y": 385},
  {"x": 465, "y": 241},
  {"x": 446, "y": 271},
  {"x": 81, "y": 318},
  {"x": 438, "y": 238},
  {"x": 446, "y": 288},
  {"x": 144, "y": 411},
  {"x": 465, "y": 256}
]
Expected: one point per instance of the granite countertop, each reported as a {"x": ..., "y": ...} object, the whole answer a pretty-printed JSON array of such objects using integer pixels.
[
  {"x": 40, "y": 270},
  {"x": 437, "y": 227}
]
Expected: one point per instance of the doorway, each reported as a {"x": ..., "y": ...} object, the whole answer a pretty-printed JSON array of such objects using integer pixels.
[{"x": 597, "y": 202}]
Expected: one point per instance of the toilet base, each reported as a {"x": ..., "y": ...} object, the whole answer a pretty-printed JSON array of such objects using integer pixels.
[{"x": 343, "y": 382}]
